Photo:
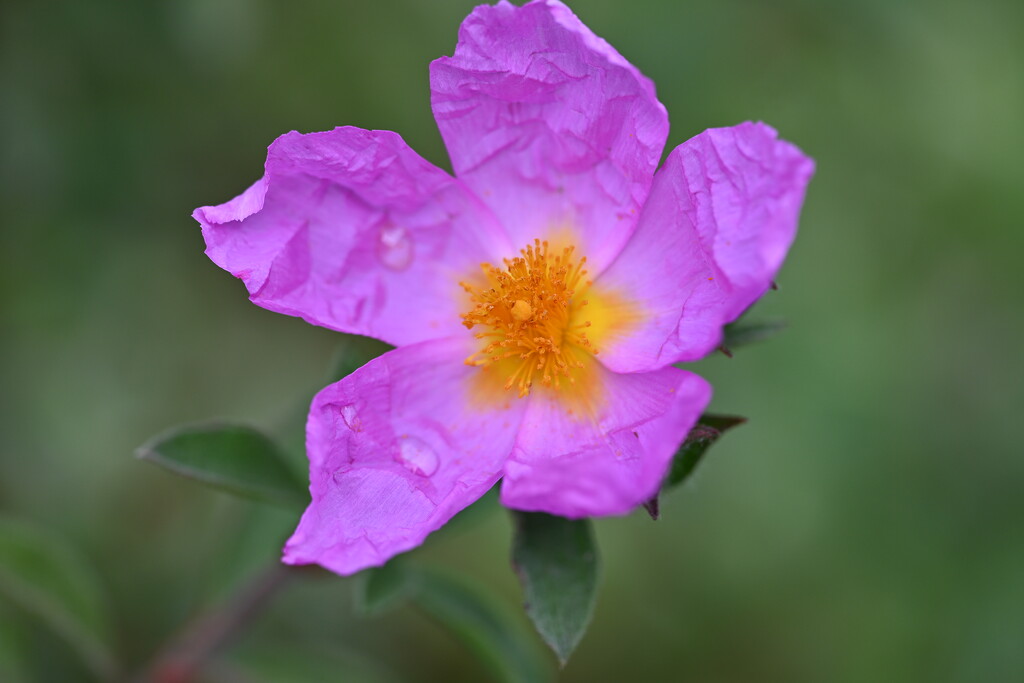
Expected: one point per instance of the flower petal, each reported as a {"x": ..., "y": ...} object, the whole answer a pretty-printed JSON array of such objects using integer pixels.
[
  {"x": 352, "y": 230},
  {"x": 610, "y": 462},
  {"x": 713, "y": 234},
  {"x": 396, "y": 449},
  {"x": 550, "y": 126}
]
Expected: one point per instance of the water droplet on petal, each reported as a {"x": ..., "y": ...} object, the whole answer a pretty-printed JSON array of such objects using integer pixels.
[
  {"x": 394, "y": 247},
  {"x": 352, "y": 421},
  {"x": 417, "y": 456}
]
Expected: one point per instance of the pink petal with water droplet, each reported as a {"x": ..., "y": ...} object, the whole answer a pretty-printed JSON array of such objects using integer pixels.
[
  {"x": 395, "y": 449},
  {"x": 352, "y": 230}
]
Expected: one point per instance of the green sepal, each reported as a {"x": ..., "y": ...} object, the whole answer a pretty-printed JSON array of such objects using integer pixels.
[{"x": 706, "y": 432}]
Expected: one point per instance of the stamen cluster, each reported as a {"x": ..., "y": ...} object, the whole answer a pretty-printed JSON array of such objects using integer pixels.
[{"x": 530, "y": 316}]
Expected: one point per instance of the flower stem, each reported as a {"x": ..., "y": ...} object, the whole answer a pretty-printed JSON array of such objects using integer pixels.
[{"x": 183, "y": 657}]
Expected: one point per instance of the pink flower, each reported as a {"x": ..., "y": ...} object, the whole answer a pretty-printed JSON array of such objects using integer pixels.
[{"x": 538, "y": 300}]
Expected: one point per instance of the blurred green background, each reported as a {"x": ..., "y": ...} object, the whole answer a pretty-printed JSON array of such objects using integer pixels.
[{"x": 866, "y": 525}]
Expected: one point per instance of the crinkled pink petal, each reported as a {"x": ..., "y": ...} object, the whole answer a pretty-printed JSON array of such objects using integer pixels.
[
  {"x": 352, "y": 230},
  {"x": 720, "y": 217},
  {"x": 396, "y": 449},
  {"x": 550, "y": 126},
  {"x": 575, "y": 466}
]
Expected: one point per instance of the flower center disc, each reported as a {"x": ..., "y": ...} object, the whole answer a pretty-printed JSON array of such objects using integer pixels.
[{"x": 530, "y": 318}]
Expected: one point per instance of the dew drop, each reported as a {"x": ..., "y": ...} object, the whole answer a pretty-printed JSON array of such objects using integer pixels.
[
  {"x": 352, "y": 421},
  {"x": 417, "y": 456},
  {"x": 394, "y": 247}
]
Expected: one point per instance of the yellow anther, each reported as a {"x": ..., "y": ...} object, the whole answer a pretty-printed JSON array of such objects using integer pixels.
[{"x": 531, "y": 306}]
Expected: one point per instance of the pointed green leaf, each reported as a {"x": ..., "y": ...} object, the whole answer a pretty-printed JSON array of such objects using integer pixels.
[
  {"x": 353, "y": 353},
  {"x": 653, "y": 507},
  {"x": 380, "y": 589},
  {"x": 742, "y": 333},
  {"x": 556, "y": 560},
  {"x": 230, "y": 457},
  {"x": 707, "y": 430},
  {"x": 43, "y": 575},
  {"x": 484, "y": 625},
  {"x": 721, "y": 423}
]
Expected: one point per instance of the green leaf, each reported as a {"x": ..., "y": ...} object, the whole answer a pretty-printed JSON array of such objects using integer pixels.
[
  {"x": 556, "y": 560},
  {"x": 484, "y": 625},
  {"x": 270, "y": 660},
  {"x": 44, "y": 576},
  {"x": 14, "y": 666},
  {"x": 380, "y": 589},
  {"x": 230, "y": 457},
  {"x": 471, "y": 515},
  {"x": 353, "y": 353},
  {"x": 743, "y": 333},
  {"x": 707, "y": 430}
]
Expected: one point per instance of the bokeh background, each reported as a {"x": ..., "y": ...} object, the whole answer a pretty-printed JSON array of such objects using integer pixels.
[{"x": 866, "y": 525}]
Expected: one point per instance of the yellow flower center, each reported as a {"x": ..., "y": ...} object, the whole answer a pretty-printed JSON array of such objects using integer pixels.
[{"x": 530, "y": 315}]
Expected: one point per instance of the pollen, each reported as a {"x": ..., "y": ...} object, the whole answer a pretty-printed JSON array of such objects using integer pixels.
[
  {"x": 521, "y": 310},
  {"x": 529, "y": 317}
]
